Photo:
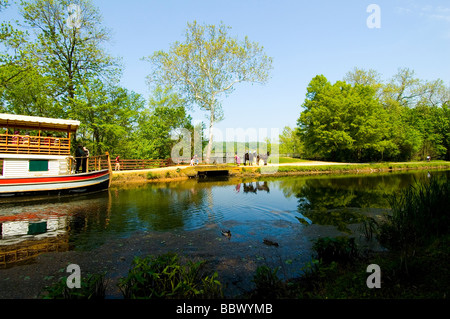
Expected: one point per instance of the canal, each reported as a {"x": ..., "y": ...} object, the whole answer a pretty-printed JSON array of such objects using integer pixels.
[{"x": 104, "y": 231}]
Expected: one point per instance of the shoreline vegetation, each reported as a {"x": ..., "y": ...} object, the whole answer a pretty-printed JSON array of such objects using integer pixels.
[{"x": 285, "y": 167}]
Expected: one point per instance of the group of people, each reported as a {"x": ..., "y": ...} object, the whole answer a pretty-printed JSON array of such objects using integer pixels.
[
  {"x": 26, "y": 139},
  {"x": 194, "y": 160},
  {"x": 251, "y": 158}
]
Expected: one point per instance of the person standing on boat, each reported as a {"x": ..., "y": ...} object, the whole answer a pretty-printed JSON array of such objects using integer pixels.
[
  {"x": 84, "y": 167},
  {"x": 25, "y": 140},
  {"x": 15, "y": 138},
  {"x": 80, "y": 155},
  {"x": 86, "y": 151}
]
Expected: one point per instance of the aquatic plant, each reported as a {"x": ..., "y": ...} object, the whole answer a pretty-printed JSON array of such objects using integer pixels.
[
  {"x": 340, "y": 249},
  {"x": 166, "y": 277},
  {"x": 92, "y": 287},
  {"x": 419, "y": 213},
  {"x": 268, "y": 284},
  {"x": 369, "y": 227}
]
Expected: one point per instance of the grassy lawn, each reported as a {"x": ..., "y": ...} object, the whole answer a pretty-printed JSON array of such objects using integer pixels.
[{"x": 283, "y": 160}]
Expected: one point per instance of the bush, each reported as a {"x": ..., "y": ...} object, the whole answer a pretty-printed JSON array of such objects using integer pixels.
[
  {"x": 165, "y": 277},
  {"x": 151, "y": 176}
]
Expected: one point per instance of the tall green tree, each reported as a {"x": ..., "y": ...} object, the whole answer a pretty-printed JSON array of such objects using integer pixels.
[
  {"x": 207, "y": 66},
  {"x": 69, "y": 38},
  {"x": 414, "y": 106},
  {"x": 433, "y": 125},
  {"x": 369, "y": 77},
  {"x": 17, "y": 66},
  {"x": 108, "y": 115},
  {"x": 61, "y": 70},
  {"x": 343, "y": 122},
  {"x": 159, "y": 125},
  {"x": 290, "y": 142},
  {"x": 29, "y": 93}
]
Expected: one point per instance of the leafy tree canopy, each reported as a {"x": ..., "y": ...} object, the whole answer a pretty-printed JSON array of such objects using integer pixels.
[{"x": 207, "y": 66}]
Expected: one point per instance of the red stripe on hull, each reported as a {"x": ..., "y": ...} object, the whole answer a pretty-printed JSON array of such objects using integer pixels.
[{"x": 51, "y": 179}]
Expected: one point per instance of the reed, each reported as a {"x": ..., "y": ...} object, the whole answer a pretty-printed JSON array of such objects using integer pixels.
[
  {"x": 419, "y": 214},
  {"x": 268, "y": 285}
]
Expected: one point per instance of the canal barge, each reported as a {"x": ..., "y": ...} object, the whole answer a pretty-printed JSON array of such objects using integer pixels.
[{"x": 35, "y": 159}]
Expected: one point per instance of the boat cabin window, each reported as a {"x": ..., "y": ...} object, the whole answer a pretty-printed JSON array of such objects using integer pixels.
[{"x": 38, "y": 166}]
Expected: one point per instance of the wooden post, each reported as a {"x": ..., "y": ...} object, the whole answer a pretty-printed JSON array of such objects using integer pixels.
[
  {"x": 68, "y": 136},
  {"x": 7, "y": 139},
  {"x": 109, "y": 168},
  {"x": 39, "y": 139}
]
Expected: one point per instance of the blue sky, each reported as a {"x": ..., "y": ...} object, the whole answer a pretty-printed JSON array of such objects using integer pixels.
[{"x": 305, "y": 38}]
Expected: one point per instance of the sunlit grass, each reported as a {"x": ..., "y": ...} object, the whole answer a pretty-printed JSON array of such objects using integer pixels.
[{"x": 283, "y": 160}]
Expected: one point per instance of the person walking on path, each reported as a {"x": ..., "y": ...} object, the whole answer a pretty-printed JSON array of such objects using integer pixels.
[{"x": 117, "y": 168}]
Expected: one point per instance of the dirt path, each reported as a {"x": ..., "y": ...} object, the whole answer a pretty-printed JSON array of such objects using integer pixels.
[{"x": 163, "y": 170}]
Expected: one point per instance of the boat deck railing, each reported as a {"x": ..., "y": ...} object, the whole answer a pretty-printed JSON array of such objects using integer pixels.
[
  {"x": 92, "y": 163},
  {"x": 39, "y": 145}
]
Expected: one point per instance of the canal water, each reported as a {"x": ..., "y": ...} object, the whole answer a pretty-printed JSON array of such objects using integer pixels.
[{"x": 187, "y": 217}]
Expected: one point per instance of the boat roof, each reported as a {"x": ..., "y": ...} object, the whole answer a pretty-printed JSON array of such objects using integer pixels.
[{"x": 36, "y": 122}]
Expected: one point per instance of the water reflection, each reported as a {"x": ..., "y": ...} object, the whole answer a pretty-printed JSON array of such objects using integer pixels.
[
  {"x": 255, "y": 187},
  {"x": 35, "y": 227},
  {"x": 345, "y": 200},
  {"x": 86, "y": 222}
]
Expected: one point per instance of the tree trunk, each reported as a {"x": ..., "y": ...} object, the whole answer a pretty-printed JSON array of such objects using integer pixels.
[{"x": 210, "y": 142}]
